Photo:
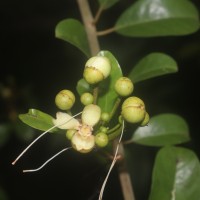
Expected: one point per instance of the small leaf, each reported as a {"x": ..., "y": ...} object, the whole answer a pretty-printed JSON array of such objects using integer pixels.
[
  {"x": 153, "y": 65},
  {"x": 83, "y": 86},
  {"x": 72, "y": 31},
  {"x": 175, "y": 175},
  {"x": 38, "y": 120},
  {"x": 147, "y": 18},
  {"x": 163, "y": 129},
  {"x": 107, "y": 94},
  {"x": 107, "y": 3}
]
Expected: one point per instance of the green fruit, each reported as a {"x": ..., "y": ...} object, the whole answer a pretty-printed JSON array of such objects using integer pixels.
[
  {"x": 124, "y": 86},
  {"x": 87, "y": 98},
  {"x": 133, "y": 110},
  {"x": 101, "y": 139},
  {"x": 65, "y": 99},
  {"x": 105, "y": 117}
]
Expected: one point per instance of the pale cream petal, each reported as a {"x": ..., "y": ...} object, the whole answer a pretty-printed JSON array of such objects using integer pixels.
[
  {"x": 65, "y": 121},
  {"x": 83, "y": 144}
]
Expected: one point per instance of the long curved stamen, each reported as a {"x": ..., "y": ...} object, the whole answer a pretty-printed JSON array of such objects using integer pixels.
[
  {"x": 37, "y": 169},
  {"x": 20, "y": 155},
  {"x": 112, "y": 164}
]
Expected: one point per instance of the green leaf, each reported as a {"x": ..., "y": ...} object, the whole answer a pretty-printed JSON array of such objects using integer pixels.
[
  {"x": 83, "y": 86},
  {"x": 105, "y": 4},
  {"x": 72, "y": 31},
  {"x": 147, "y": 18},
  {"x": 163, "y": 129},
  {"x": 153, "y": 65},
  {"x": 38, "y": 120},
  {"x": 176, "y": 175},
  {"x": 107, "y": 94}
]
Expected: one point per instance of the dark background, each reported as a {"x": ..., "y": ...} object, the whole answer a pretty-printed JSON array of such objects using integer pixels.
[{"x": 35, "y": 66}]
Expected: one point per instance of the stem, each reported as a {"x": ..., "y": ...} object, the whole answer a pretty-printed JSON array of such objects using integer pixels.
[
  {"x": 106, "y": 32},
  {"x": 115, "y": 107},
  {"x": 124, "y": 176},
  {"x": 98, "y": 14},
  {"x": 90, "y": 28},
  {"x": 95, "y": 94}
]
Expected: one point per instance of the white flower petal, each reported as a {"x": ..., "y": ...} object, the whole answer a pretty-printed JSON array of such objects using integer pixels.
[
  {"x": 83, "y": 144},
  {"x": 65, "y": 121}
]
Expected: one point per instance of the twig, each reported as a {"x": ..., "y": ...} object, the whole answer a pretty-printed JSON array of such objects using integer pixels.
[
  {"x": 124, "y": 176},
  {"x": 90, "y": 28}
]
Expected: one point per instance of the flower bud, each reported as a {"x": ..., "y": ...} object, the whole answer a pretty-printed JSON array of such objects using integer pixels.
[
  {"x": 87, "y": 98},
  {"x": 101, "y": 139},
  {"x": 105, "y": 116},
  {"x": 103, "y": 129},
  {"x": 91, "y": 115},
  {"x": 133, "y": 110},
  {"x": 65, "y": 99},
  {"x": 97, "y": 68},
  {"x": 124, "y": 86}
]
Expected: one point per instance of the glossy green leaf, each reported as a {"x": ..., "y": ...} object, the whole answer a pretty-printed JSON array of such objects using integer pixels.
[
  {"x": 153, "y": 65},
  {"x": 163, "y": 129},
  {"x": 147, "y": 18},
  {"x": 83, "y": 86},
  {"x": 105, "y": 4},
  {"x": 176, "y": 175},
  {"x": 72, "y": 31},
  {"x": 38, "y": 120},
  {"x": 107, "y": 94}
]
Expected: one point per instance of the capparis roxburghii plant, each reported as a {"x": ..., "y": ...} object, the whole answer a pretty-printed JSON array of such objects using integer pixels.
[{"x": 109, "y": 103}]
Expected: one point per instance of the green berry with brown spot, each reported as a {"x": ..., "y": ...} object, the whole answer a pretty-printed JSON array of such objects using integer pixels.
[
  {"x": 65, "y": 99},
  {"x": 124, "y": 86},
  {"x": 133, "y": 110}
]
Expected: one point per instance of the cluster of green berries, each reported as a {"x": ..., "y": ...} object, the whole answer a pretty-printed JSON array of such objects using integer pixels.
[{"x": 133, "y": 109}]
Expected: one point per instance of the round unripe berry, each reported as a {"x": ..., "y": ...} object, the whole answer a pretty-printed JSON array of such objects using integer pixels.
[
  {"x": 124, "y": 86},
  {"x": 101, "y": 139},
  {"x": 105, "y": 116},
  {"x": 70, "y": 133},
  {"x": 145, "y": 120},
  {"x": 97, "y": 68},
  {"x": 87, "y": 98},
  {"x": 133, "y": 110},
  {"x": 65, "y": 99}
]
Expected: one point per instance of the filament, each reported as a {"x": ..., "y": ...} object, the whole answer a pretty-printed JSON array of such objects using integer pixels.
[
  {"x": 37, "y": 169},
  {"x": 20, "y": 155},
  {"x": 112, "y": 164}
]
